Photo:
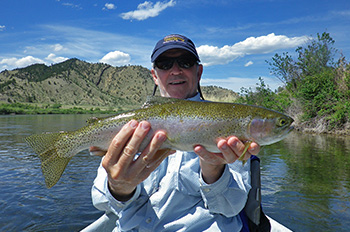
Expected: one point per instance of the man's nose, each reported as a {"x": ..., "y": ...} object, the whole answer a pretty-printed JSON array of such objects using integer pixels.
[{"x": 176, "y": 70}]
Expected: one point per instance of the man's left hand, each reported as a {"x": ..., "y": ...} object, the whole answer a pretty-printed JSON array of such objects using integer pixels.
[{"x": 213, "y": 164}]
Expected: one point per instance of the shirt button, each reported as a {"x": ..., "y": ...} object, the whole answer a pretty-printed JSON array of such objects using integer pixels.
[
  {"x": 206, "y": 190},
  {"x": 148, "y": 220}
]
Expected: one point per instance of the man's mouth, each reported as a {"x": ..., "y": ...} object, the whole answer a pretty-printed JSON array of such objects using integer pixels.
[{"x": 177, "y": 82}]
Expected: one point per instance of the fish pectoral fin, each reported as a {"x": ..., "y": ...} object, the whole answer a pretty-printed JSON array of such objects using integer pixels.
[{"x": 246, "y": 146}]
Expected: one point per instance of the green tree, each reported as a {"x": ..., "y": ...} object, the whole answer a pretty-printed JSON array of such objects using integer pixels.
[
  {"x": 318, "y": 55},
  {"x": 285, "y": 69},
  {"x": 313, "y": 58},
  {"x": 264, "y": 96},
  {"x": 316, "y": 80}
]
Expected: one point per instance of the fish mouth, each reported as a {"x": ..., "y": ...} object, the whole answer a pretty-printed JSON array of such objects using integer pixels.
[
  {"x": 286, "y": 132},
  {"x": 275, "y": 138}
]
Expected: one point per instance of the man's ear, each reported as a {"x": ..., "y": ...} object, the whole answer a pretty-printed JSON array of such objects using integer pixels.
[
  {"x": 154, "y": 75},
  {"x": 199, "y": 72}
]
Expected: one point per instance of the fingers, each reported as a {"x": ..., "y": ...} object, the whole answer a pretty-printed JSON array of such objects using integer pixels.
[
  {"x": 122, "y": 180},
  {"x": 231, "y": 148},
  {"x": 148, "y": 155},
  {"x": 254, "y": 149},
  {"x": 124, "y": 171},
  {"x": 151, "y": 156},
  {"x": 212, "y": 158},
  {"x": 134, "y": 143},
  {"x": 118, "y": 143},
  {"x": 121, "y": 152}
]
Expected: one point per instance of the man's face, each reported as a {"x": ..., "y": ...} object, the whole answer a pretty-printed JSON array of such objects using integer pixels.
[{"x": 177, "y": 82}]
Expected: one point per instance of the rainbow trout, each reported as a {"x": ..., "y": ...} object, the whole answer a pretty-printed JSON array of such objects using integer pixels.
[{"x": 186, "y": 123}]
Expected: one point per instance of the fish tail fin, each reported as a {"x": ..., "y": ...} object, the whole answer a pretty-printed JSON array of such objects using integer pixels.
[
  {"x": 241, "y": 158},
  {"x": 52, "y": 164}
]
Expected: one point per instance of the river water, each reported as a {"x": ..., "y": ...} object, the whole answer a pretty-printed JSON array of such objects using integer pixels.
[{"x": 305, "y": 180}]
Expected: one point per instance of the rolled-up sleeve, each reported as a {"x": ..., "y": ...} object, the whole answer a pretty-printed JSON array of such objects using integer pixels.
[
  {"x": 130, "y": 213},
  {"x": 103, "y": 200},
  {"x": 228, "y": 195}
]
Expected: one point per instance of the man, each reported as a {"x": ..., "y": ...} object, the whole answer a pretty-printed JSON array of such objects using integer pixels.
[{"x": 162, "y": 190}]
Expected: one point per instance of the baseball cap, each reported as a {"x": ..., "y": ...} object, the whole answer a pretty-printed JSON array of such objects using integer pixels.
[{"x": 173, "y": 41}]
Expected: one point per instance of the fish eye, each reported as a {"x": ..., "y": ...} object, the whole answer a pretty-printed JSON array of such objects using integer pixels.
[{"x": 282, "y": 122}]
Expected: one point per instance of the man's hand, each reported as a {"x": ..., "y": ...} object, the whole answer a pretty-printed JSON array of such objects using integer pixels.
[
  {"x": 213, "y": 164},
  {"x": 124, "y": 171}
]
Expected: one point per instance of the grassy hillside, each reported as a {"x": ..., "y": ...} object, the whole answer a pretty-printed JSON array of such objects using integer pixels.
[
  {"x": 81, "y": 84},
  {"x": 219, "y": 94},
  {"x": 76, "y": 83}
]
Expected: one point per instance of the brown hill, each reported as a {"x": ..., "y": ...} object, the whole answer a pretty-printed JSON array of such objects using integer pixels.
[{"x": 78, "y": 83}]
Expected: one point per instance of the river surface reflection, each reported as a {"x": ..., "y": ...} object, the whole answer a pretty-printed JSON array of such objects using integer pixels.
[{"x": 305, "y": 180}]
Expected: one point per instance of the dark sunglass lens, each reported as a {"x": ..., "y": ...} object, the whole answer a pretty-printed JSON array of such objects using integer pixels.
[
  {"x": 186, "y": 62},
  {"x": 164, "y": 64},
  {"x": 183, "y": 62}
]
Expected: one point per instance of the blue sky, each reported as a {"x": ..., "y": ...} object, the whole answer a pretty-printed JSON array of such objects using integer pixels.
[{"x": 234, "y": 38}]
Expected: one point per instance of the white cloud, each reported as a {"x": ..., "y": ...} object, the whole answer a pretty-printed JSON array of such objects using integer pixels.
[
  {"x": 248, "y": 63},
  {"x": 57, "y": 47},
  {"x": 20, "y": 63},
  {"x": 212, "y": 55},
  {"x": 72, "y": 5},
  {"x": 342, "y": 13},
  {"x": 269, "y": 43},
  {"x": 109, "y": 6},
  {"x": 2, "y": 27},
  {"x": 11, "y": 63},
  {"x": 91, "y": 44},
  {"x": 116, "y": 58},
  {"x": 147, "y": 9},
  {"x": 53, "y": 58}
]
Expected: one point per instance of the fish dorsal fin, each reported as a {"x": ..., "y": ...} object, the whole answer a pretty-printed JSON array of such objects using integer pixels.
[
  {"x": 92, "y": 120},
  {"x": 155, "y": 100}
]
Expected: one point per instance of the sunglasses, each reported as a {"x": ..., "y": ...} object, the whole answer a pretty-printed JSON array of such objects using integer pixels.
[{"x": 166, "y": 63}]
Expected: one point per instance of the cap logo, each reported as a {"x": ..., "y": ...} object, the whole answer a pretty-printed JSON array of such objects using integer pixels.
[{"x": 173, "y": 39}]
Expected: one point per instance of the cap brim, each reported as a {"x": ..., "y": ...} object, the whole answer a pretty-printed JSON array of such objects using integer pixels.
[{"x": 169, "y": 47}]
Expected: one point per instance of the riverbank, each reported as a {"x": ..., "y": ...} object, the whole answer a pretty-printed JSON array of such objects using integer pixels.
[
  {"x": 26, "y": 108},
  {"x": 321, "y": 127}
]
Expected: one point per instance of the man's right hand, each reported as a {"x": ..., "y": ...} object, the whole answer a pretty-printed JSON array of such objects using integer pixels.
[{"x": 124, "y": 171}]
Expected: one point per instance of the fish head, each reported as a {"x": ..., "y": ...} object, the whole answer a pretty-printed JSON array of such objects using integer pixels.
[{"x": 270, "y": 129}]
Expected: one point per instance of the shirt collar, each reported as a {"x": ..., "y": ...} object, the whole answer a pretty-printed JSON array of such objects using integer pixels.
[{"x": 197, "y": 97}]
